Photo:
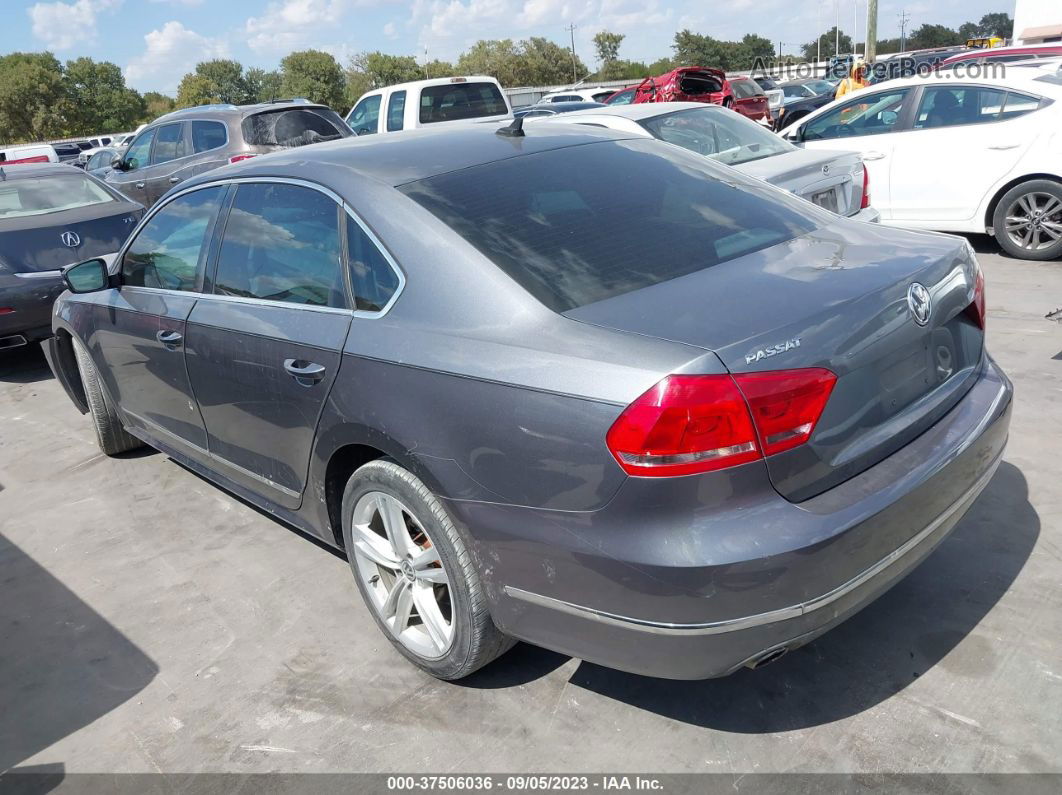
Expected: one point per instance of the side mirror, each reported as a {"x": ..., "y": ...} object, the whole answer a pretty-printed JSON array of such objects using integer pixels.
[
  {"x": 89, "y": 276},
  {"x": 888, "y": 117},
  {"x": 117, "y": 163}
]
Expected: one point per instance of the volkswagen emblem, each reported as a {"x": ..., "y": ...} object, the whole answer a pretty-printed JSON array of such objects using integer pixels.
[
  {"x": 70, "y": 239},
  {"x": 920, "y": 303},
  {"x": 826, "y": 169}
]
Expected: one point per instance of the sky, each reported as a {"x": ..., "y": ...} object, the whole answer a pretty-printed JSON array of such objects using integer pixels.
[{"x": 156, "y": 42}]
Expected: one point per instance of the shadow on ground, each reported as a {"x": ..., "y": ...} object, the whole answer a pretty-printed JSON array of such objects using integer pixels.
[
  {"x": 875, "y": 654},
  {"x": 62, "y": 665},
  {"x": 25, "y": 365}
]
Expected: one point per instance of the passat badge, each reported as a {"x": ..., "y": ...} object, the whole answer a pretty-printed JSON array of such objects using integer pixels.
[
  {"x": 772, "y": 350},
  {"x": 920, "y": 303}
]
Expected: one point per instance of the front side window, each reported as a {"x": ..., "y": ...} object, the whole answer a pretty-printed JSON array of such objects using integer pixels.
[
  {"x": 365, "y": 118},
  {"x": 452, "y": 101},
  {"x": 371, "y": 275},
  {"x": 51, "y": 193},
  {"x": 207, "y": 135},
  {"x": 396, "y": 111},
  {"x": 169, "y": 144},
  {"x": 727, "y": 137},
  {"x": 580, "y": 224},
  {"x": 169, "y": 248},
  {"x": 138, "y": 154},
  {"x": 866, "y": 115},
  {"x": 281, "y": 243}
]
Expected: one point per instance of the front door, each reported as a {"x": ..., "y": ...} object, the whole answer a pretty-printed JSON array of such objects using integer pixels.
[
  {"x": 140, "y": 326},
  {"x": 868, "y": 124},
  {"x": 166, "y": 161},
  {"x": 264, "y": 348},
  {"x": 137, "y": 160}
]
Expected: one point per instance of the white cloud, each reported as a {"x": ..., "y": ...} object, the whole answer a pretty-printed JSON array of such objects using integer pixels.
[
  {"x": 291, "y": 24},
  {"x": 169, "y": 53},
  {"x": 180, "y": 2},
  {"x": 62, "y": 25},
  {"x": 390, "y": 31}
]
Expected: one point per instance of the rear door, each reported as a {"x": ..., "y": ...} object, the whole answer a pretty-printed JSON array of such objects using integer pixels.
[
  {"x": 264, "y": 346},
  {"x": 870, "y": 124},
  {"x": 963, "y": 140}
]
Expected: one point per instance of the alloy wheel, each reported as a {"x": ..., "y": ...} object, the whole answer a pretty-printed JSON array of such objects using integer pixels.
[
  {"x": 403, "y": 574},
  {"x": 1034, "y": 221}
]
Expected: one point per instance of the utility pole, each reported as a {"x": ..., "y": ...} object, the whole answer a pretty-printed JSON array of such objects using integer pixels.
[
  {"x": 870, "y": 51},
  {"x": 855, "y": 30},
  {"x": 571, "y": 30},
  {"x": 836, "y": 27},
  {"x": 904, "y": 19},
  {"x": 818, "y": 41}
]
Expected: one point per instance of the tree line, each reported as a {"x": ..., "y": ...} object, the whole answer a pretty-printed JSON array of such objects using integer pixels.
[{"x": 42, "y": 98}]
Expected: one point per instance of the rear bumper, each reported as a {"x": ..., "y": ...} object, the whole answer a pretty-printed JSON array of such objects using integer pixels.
[
  {"x": 700, "y": 590},
  {"x": 31, "y": 297},
  {"x": 868, "y": 214}
]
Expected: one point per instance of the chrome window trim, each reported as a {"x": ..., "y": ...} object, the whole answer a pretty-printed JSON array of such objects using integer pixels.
[
  {"x": 360, "y": 313},
  {"x": 771, "y": 616}
]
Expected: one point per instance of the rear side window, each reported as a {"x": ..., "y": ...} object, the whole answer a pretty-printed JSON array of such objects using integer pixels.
[
  {"x": 292, "y": 127},
  {"x": 373, "y": 278},
  {"x": 207, "y": 135},
  {"x": 396, "y": 111},
  {"x": 168, "y": 249},
  {"x": 169, "y": 144},
  {"x": 460, "y": 101},
  {"x": 951, "y": 107},
  {"x": 581, "y": 224},
  {"x": 281, "y": 243},
  {"x": 1019, "y": 104}
]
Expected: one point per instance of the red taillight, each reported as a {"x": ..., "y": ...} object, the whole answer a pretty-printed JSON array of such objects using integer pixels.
[
  {"x": 786, "y": 404},
  {"x": 865, "y": 201},
  {"x": 698, "y": 423},
  {"x": 238, "y": 158},
  {"x": 976, "y": 309},
  {"x": 6, "y": 310}
]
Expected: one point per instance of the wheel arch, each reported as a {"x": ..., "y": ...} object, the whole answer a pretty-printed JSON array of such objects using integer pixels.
[
  {"x": 59, "y": 350},
  {"x": 1002, "y": 190}
]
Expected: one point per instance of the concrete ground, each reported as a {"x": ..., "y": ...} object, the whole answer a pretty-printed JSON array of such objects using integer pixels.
[{"x": 150, "y": 622}]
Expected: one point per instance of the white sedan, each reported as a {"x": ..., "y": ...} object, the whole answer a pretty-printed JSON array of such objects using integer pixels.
[
  {"x": 835, "y": 180},
  {"x": 957, "y": 155}
]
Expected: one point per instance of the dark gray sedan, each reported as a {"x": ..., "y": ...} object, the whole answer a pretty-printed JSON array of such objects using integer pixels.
[
  {"x": 51, "y": 215},
  {"x": 575, "y": 387}
]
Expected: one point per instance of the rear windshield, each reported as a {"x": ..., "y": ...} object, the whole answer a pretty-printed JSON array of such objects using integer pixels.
[
  {"x": 577, "y": 225},
  {"x": 700, "y": 83},
  {"x": 293, "y": 127},
  {"x": 49, "y": 194},
  {"x": 717, "y": 133},
  {"x": 453, "y": 101}
]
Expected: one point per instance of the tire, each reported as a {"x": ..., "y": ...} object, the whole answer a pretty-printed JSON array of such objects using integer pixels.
[
  {"x": 111, "y": 435},
  {"x": 411, "y": 595},
  {"x": 1034, "y": 210}
]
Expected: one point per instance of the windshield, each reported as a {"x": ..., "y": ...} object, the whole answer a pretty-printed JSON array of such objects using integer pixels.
[
  {"x": 719, "y": 134},
  {"x": 49, "y": 194},
  {"x": 452, "y": 101},
  {"x": 584, "y": 223},
  {"x": 819, "y": 87}
]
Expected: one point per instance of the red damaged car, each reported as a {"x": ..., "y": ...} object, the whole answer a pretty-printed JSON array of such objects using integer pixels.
[{"x": 699, "y": 84}]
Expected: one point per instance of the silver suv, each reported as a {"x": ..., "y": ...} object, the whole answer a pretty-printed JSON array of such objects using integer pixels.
[{"x": 187, "y": 142}]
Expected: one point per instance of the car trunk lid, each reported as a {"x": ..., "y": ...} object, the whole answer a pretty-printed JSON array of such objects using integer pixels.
[
  {"x": 836, "y": 298},
  {"x": 833, "y": 180},
  {"x": 54, "y": 240}
]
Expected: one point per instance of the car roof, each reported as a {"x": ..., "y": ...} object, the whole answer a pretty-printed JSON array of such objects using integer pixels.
[
  {"x": 225, "y": 111},
  {"x": 434, "y": 81},
  {"x": 30, "y": 170},
  {"x": 1030, "y": 81},
  {"x": 414, "y": 155},
  {"x": 645, "y": 110}
]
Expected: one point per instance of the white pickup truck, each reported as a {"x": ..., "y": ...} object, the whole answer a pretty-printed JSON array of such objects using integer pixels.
[{"x": 407, "y": 106}]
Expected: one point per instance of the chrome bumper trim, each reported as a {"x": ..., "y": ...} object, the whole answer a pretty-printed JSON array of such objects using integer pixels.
[{"x": 772, "y": 616}]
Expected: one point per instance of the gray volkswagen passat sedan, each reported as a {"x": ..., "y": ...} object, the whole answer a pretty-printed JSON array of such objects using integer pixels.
[{"x": 578, "y": 388}]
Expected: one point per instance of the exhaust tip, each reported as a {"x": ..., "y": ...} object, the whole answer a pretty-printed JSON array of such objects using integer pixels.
[
  {"x": 13, "y": 341},
  {"x": 767, "y": 658}
]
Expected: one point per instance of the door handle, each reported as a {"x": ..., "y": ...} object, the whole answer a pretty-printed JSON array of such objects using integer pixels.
[
  {"x": 1003, "y": 147},
  {"x": 140, "y": 185},
  {"x": 305, "y": 373},
  {"x": 174, "y": 180},
  {"x": 873, "y": 155},
  {"x": 171, "y": 339}
]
